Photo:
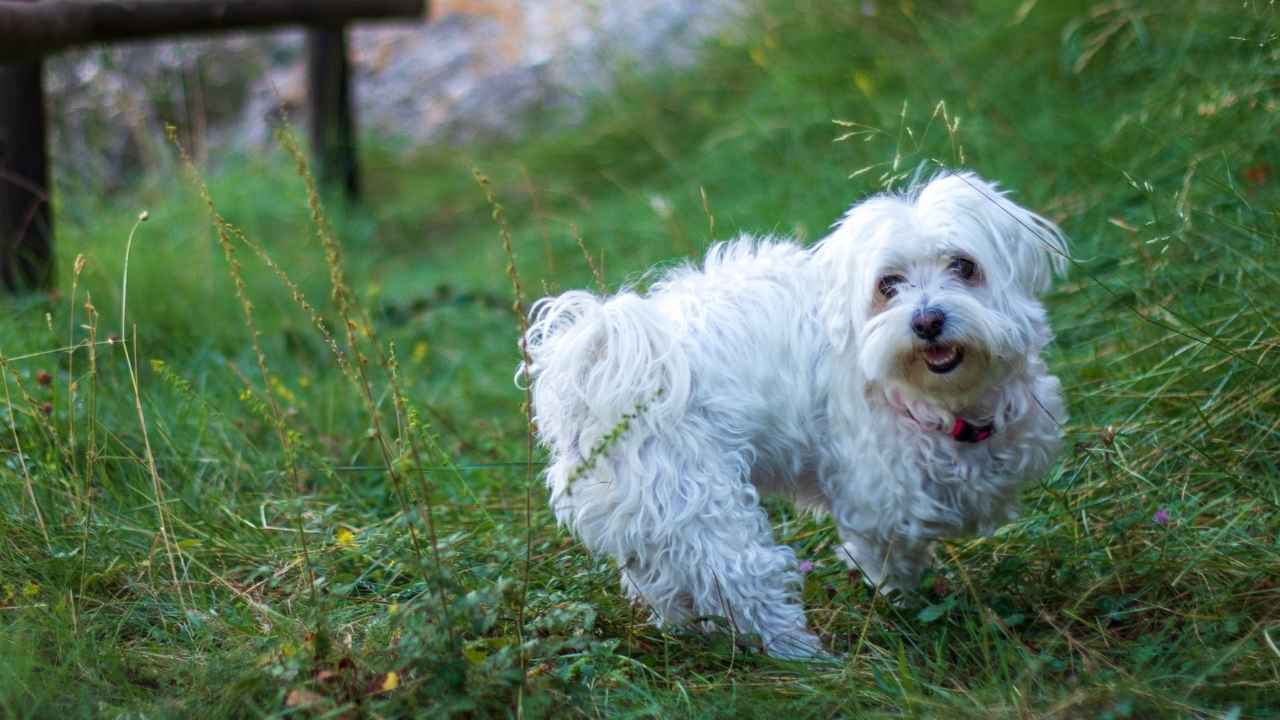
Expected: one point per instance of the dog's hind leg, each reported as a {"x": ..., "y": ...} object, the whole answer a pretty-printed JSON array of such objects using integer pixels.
[
  {"x": 675, "y": 510},
  {"x": 703, "y": 548}
]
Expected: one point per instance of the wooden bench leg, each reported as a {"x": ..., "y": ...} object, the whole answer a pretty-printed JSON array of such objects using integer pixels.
[
  {"x": 26, "y": 226},
  {"x": 332, "y": 126}
]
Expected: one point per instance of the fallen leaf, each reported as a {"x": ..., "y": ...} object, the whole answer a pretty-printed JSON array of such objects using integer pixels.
[
  {"x": 301, "y": 697},
  {"x": 1257, "y": 174},
  {"x": 391, "y": 681}
]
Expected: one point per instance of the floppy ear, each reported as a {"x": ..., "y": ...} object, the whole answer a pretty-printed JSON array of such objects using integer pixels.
[
  {"x": 836, "y": 309},
  {"x": 843, "y": 259},
  {"x": 837, "y": 318},
  {"x": 835, "y": 258},
  {"x": 1032, "y": 248}
]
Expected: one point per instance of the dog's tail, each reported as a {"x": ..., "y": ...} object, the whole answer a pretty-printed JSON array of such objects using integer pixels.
[{"x": 601, "y": 363}]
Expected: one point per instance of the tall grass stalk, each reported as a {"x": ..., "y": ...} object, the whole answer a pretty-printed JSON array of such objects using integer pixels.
[
  {"x": 499, "y": 216},
  {"x": 344, "y": 300},
  {"x": 225, "y": 233},
  {"x": 28, "y": 483},
  {"x": 72, "y": 386},
  {"x": 157, "y": 485}
]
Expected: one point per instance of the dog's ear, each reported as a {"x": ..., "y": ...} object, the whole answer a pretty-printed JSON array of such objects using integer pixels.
[
  {"x": 847, "y": 269},
  {"x": 1028, "y": 249},
  {"x": 836, "y": 313}
]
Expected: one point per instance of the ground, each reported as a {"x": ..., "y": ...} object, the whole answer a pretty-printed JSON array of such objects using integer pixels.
[{"x": 244, "y": 493}]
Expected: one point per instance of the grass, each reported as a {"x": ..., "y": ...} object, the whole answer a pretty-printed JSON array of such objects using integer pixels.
[{"x": 204, "y": 511}]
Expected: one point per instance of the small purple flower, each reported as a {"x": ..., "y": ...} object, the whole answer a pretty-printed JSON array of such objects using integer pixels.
[
  {"x": 805, "y": 566},
  {"x": 1161, "y": 517}
]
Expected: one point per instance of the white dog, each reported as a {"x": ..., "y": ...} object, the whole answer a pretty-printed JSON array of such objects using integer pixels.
[{"x": 891, "y": 376}]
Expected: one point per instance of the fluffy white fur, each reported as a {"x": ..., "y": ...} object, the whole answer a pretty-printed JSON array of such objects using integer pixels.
[{"x": 776, "y": 368}]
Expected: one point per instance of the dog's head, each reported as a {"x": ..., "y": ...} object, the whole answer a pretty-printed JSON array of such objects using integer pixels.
[{"x": 936, "y": 290}]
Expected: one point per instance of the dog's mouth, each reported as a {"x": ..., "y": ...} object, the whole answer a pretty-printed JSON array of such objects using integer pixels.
[{"x": 942, "y": 359}]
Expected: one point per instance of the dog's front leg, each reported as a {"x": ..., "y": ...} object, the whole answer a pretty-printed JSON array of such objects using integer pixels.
[
  {"x": 878, "y": 535},
  {"x": 890, "y": 563}
]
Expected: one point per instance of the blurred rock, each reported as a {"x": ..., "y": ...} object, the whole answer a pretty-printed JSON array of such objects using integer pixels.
[{"x": 479, "y": 69}]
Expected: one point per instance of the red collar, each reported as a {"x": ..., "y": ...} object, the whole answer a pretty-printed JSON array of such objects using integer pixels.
[
  {"x": 961, "y": 430},
  {"x": 966, "y": 432}
]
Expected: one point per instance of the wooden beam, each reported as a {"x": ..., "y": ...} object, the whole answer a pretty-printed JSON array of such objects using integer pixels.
[
  {"x": 32, "y": 30},
  {"x": 26, "y": 229},
  {"x": 332, "y": 126}
]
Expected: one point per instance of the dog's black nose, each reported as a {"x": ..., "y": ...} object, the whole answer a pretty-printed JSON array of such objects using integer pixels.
[{"x": 927, "y": 324}]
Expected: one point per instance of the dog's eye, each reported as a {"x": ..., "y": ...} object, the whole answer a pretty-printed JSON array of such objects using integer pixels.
[
  {"x": 963, "y": 268},
  {"x": 888, "y": 285}
]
